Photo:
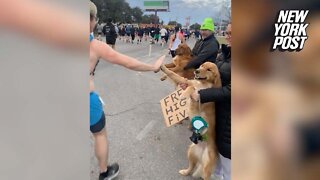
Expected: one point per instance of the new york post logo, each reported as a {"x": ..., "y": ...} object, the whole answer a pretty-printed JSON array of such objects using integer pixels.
[{"x": 290, "y": 30}]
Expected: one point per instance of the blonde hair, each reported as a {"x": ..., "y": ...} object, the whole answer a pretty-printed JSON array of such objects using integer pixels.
[{"x": 93, "y": 9}]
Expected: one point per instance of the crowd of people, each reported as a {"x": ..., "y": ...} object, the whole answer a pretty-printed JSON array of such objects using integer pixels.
[
  {"x": 153, "y": 34},
  {"x": 137, "y": 34}
]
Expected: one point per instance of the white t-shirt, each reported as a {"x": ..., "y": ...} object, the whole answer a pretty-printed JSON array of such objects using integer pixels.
[
  {"x": 99, "y": 28},
  {"x": 176, "y": 42},
  {"x": 163, "y": 32}
]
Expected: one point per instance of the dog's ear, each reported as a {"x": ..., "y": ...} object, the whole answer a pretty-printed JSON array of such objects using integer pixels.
[
  {"x": 215, "y": 77},
  {"x": 186, "y": 50}
]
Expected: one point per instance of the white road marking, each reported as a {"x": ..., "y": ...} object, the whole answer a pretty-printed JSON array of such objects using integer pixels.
[
  {"x": 146, "y": 130},
  {"x": 150, "y": 49}
]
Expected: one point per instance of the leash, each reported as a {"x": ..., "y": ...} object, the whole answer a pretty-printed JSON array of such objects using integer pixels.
[
  {"x": 94, "y": 69},
  {"x": 91, "y": 37}
]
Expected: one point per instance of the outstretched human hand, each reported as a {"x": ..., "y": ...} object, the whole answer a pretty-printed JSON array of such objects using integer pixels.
[{"x": 158, "y": 63}]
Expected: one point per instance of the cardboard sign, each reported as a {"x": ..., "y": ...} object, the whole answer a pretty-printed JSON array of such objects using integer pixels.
[{"x": 173, "y": 108}]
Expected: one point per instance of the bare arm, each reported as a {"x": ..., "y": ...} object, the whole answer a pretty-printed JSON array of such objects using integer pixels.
[
  {"x": 171, "y": 41},
  {"x": 105, "y": 52},
  {"x": 45, "y": 21}
]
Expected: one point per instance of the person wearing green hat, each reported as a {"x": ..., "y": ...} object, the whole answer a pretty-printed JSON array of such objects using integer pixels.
[
  {"x": 205, "y": 49},
  {"x": 207, "y": 24}
]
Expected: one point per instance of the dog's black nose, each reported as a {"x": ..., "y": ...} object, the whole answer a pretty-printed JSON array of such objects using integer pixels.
[{"x": 197, "y": 71}]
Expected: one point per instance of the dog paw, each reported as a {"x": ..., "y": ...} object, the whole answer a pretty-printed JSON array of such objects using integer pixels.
[
  {"x": 162, "y": 67},
  {"x": 163, "y": 78},
  {"x": 184, "y": 172}
]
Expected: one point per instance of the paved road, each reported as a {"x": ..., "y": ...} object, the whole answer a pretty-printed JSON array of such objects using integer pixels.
[{"x": 139, "y": 140}]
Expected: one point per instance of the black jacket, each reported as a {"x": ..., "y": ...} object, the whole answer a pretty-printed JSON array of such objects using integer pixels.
[
  {"x": 110, "y": 31},
  {"x": 222, "y": 98},
  {"x": 204, "y": 50},
  {"x": 133, "y": 31}
]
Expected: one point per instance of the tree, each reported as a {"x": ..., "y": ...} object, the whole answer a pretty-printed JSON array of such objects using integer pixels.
[
  {"x": 151, "y": 18},
  {"x": 146, "y": 19},
  {"x": 154, "y": 19},
  {"x": 195, "y": 26},
  {"x": 226, "y": 10},
  {"x": 117, "y": 10},
  {"x": 120, "y": 11},
  {"x": 137, "y": 14},
  {"x": 173, "y": 23}
]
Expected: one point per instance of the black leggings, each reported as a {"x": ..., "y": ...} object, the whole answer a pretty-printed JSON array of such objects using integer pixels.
[
  {"x": 173, "y": 53},
  {"x": 99, "y": 125}
]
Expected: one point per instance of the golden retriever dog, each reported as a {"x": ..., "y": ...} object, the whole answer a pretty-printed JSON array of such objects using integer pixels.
[
  {"x": 182, "y": 58},
  {"x": 202, "y": 156}
]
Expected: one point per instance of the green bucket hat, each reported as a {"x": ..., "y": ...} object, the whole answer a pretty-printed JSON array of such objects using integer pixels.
[{"x": 207, "y": 24}]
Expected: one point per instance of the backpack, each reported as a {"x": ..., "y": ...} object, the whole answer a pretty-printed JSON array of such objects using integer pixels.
[{"x": 109, "y": 30}]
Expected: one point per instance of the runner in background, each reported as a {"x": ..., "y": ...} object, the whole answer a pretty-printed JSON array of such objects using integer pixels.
[
  {"x": 175, "y": 39},
  {"x": 163, "y": 33}
]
